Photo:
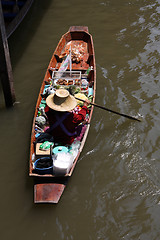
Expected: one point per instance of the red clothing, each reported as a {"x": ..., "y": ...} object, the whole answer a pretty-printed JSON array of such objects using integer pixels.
[{"x": 64, "y": 134}]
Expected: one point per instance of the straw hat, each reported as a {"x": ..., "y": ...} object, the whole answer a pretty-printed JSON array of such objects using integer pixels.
[{"x": 61, "y": 101}]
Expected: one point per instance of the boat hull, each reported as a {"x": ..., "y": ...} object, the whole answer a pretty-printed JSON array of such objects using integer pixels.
[{"x": 51, "y": 191}]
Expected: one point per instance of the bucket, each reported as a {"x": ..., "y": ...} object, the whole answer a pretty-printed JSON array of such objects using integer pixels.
[
  {"x": 40, "y": 162},
  {"x": 62, "y": 163}
]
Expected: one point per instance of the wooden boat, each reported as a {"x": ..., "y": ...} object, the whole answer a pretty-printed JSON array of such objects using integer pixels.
[
  {"x": 49, "y": 184},
  {"x": 14, "y": 11}
]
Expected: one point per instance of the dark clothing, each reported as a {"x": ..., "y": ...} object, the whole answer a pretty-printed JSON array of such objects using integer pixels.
[{"x": 63, "y": 124}]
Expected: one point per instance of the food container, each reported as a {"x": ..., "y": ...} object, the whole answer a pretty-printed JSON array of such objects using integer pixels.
[
  {"x": 84, "y": 85},
  {"x": 62, "y": 163},
  {"x": 60, "y": 149},
  {"x": 90, "y": 91},
  {"x": 64, "y": 82}
]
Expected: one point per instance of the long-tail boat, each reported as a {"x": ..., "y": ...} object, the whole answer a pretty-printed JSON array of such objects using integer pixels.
[
  {"x": 14, "y": 12},
  {"x": 72, "y": 66}
]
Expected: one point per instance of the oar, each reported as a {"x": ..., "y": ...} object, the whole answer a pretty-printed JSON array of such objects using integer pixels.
[{"x": 112, "y": 111}]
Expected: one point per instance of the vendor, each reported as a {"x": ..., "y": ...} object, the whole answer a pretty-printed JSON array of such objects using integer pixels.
[{"x": 62, "y": 120}]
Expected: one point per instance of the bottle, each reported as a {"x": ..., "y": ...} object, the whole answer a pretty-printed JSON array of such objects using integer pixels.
[
  {"x": 89, "y": 69},
  {"x": 84, "y": 85},
  {"x": 90, "y": 91},
  {"x": 33, "y": 157}
]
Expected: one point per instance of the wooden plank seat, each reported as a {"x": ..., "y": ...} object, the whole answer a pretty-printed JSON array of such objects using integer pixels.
[{"x": 83, "y": 65}]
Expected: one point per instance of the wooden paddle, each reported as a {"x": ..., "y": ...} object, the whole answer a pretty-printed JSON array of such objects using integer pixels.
[{"x": 112, "y": 111}]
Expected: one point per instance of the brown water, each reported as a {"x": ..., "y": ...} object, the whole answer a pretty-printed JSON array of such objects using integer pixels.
[{"x": 114, "y": 192}]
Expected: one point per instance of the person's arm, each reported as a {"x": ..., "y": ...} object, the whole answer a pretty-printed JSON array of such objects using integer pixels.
[
  {"x": 86, "y": 103},
  {"x": 80, "y": 117}
]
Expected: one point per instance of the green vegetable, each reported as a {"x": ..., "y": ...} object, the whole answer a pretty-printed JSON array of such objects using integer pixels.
[
  {"x": 78, "y": 90},
  {"x": 72, "y": 89}
]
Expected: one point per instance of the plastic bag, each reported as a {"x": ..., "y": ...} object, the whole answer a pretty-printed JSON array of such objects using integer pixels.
[
  {"x": 74, "y": 148},
  {"x": 45, "y": 146},
  {"x": 41, "y": 121},
  {"x": 62, "y": 163}
]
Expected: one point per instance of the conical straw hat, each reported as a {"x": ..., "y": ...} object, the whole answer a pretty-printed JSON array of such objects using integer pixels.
[{"x": 61, "y": 101}]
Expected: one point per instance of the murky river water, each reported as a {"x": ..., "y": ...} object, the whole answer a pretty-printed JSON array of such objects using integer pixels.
[{"x": 114, "y": 192}]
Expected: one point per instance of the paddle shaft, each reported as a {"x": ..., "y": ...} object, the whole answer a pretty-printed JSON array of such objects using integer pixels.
[{"x": 112, "y": 111}]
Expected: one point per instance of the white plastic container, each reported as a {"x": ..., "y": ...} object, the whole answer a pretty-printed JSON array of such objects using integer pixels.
[{"x": 62, "y": 163}]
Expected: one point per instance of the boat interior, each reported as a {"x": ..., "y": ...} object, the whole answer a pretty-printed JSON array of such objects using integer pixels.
[{"x": 80, "y": 69}]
